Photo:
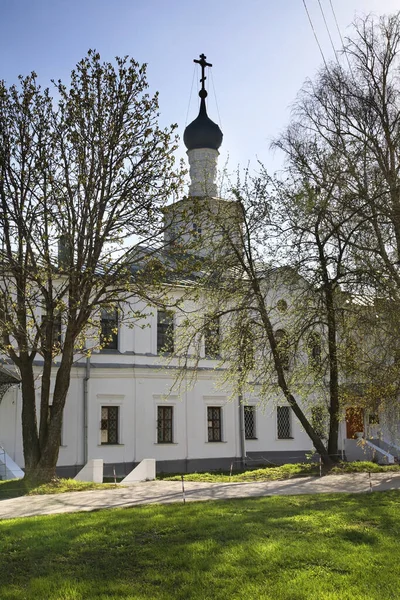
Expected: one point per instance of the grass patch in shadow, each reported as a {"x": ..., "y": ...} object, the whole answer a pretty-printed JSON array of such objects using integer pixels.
[
  {"x": 12, "y": 488},
  {"x": 320, "y": 547}
]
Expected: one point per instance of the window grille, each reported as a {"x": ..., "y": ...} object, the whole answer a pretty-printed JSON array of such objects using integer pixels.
[
  {"x": 109, "y": 329},
  {"x": 319, "y": 421},
  {"x": 214, "y": 424},
  {"x": 373, "y": 418},
  {"x": 109, "y": 424},
  {"x": 282, "y": 305},
  {"x": 196, "y": 228},
  {"x": 283, "y": 422},
  {"x": 165, "y": 332},
  {"x": 164, "y": 424},
  {"x": 212, "y": 338},
  {"x": 250, "y": 422}
]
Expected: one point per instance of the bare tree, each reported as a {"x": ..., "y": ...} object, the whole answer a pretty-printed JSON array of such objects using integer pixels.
[
  {"x": 83, "y": 178},
  {"x": 245, "y": 308},
  {"x": 343, "y": 143}
]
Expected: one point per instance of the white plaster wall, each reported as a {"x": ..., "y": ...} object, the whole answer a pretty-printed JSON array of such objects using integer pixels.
[
  {"x": 267, "y": 433},
  {"x": 10, "y": 425},
  {"x": 125, "y": 378},
  {"x": 203, "y": 171}
]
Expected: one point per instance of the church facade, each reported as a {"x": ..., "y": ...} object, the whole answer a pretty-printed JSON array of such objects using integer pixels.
[{"x": 120, "y": 406}]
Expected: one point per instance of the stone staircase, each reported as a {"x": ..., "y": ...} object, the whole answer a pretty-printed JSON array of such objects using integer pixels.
[{"x": 390, "y": 447}]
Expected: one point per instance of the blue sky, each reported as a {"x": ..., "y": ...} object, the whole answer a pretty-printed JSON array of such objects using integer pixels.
[{"x": 262, "y": 51}]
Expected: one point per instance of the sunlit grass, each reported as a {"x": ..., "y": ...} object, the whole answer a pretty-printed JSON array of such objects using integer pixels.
[
  {"x": 321, "y": 547},
  {"x": 287, "y": 471}
]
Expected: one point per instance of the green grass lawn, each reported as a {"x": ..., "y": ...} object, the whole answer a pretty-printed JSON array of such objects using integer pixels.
[
  {"x": 13, "y": 488},
  {"x": 336, "y": 547},
  {"x": 287, "y": 471}
]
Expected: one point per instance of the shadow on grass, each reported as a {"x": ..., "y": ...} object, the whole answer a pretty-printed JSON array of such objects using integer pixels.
[
  {"x": 13, "y": 488},
  {"x": 239, "y": 548}
]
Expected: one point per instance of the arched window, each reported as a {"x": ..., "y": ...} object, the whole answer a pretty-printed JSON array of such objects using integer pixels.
[
  {"x": 282, "y": 305},
  {"x": 282, "y": 340}
]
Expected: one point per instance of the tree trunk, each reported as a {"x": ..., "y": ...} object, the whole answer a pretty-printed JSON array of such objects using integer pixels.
[
  {"x": 43, "y": 451},
  {"x": 29, "y": 418},
  {"x": 333, "y": 377},
  {"x": 279, "y": 368}
]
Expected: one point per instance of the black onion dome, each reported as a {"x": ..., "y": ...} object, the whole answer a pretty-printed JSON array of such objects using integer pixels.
[{"x": 202, "y": 132}]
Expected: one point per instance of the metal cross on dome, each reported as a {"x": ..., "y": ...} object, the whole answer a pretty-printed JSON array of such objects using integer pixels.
[{"x": 203, "y": 63}]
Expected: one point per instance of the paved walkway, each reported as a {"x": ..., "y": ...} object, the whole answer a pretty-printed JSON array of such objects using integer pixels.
[{"x": 163, "y": 492}]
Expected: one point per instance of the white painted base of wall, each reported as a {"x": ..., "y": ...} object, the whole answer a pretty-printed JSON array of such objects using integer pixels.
[
  {"x": 145, "y": 471},
  {"x": 10, "y": 469},
  {"x": 92, "y": 471}
]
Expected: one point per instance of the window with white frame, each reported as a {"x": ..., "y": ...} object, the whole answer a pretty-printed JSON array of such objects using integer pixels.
[
  {"x": 109, "y": 329},
  {"x": 250, "y": 422},
  {"x": 212, "y": 338},
  {"x": 283, "y": 422},
  {"x": 165, "y": 332},
  {"x": 214, "y": 423},
  {"x": 314, "y": 350},
  {"x": 165, "y": 424},
  {"x": 109, "y": 424},
  {"x": 282, "y": 341}
]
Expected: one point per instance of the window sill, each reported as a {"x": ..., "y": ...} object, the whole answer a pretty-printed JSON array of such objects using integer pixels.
[
  {"x": 216, "y": 442},
  {"x": 284, "y": 439},
  {"x": 108, "y": 445},
  {"x": 165, "y": 443},
  {"x": 252, "y": 439}
]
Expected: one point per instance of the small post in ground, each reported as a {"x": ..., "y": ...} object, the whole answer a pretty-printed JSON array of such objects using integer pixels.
[{"x": 183, "y": 490}]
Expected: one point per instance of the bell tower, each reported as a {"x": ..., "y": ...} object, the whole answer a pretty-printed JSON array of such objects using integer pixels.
[
  {"x": 202, "y": 138},
  {"x": 197, "y": 222}
]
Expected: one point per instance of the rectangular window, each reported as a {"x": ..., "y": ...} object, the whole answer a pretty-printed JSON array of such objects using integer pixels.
[
  {"x": 212, "y": 338},
  {"x": 283, "y": 422},
  {"x": 319, "y": 421},
  {"x": 214, "y": 423},
  {"x": 109, "y": 424},
  {"x": 164, "y": 424},
  {"x": 165, "y": 332},
  {"x": 250, "y": 422},
  {"x": 109, "y": 329}
]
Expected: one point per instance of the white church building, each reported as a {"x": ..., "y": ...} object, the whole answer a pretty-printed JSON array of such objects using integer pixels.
[{"x": 120, "y": 409}]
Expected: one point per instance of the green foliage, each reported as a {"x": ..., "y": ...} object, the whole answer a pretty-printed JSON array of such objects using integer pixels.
[
  {"x": 84, "y": 178},
  {"x": 271, "y": 473},
  {"x": 274, "y": 473},
  {"x": 364, "y": 466},
  {"x": 320, "y": 547}
]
